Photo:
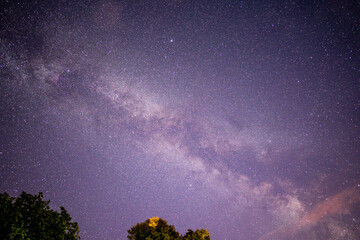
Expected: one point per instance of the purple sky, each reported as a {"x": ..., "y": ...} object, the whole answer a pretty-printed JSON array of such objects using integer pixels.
[{"x": 241, "y": 117}]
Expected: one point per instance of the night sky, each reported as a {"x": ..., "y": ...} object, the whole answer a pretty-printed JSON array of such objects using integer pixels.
[{"x": 241, "y": 117}]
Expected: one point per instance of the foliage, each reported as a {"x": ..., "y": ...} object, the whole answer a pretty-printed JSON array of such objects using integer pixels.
[
  {"x": 29, "y": 217},
  {"x": 199, "y": 234},
  {"x": 153, "y": 229},
  {"x": 158, "y": 229}
]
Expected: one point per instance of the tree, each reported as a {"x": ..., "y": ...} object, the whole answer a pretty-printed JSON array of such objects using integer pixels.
[
  {"x": 29, "y": 217},
  {"x": 153, "y": 229},
  {"x": 158, "y": 229},
  {"x": 199, "y": 234}
]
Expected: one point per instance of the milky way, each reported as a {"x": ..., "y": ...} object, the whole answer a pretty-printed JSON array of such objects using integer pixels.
[{"x": 239, "y": 117}]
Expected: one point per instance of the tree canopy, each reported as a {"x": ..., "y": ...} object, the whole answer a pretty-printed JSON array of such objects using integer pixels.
[
  {"x": 199, "y": 234},
  {"x": 29, "y": 217},
  {"x": 158, "y": 229}
]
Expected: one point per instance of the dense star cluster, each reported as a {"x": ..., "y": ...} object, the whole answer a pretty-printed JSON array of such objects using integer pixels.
[{"x": 241, "y": 117}]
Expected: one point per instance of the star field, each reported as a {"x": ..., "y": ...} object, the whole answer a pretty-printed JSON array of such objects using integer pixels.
[{"x": 239, "y": 117}]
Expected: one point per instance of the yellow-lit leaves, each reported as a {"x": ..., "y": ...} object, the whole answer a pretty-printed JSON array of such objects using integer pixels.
[{"x": 153, "y": 222}]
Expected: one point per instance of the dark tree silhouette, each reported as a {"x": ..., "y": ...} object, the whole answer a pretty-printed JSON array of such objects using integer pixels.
[
  {"x": 158, "y": 229},
  {"x": 29, "y": 217},
  {"x": 153, "y": 229},
  {"x": 199, "y": 234}
]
